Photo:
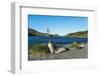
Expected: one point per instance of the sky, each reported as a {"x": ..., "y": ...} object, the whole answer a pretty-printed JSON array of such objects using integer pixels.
[{"x": 61, "y": 25}]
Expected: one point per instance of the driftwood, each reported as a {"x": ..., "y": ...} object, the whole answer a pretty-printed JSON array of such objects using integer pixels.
[{"x": 53, "y": 50}]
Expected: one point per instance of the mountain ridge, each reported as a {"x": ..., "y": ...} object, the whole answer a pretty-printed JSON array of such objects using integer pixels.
[
  {"x": 83, "y": 34},
  {"x": 78, "y": 34}
]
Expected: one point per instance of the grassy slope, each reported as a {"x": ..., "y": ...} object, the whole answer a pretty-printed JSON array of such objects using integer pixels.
[{"x": 80, "y": 34}]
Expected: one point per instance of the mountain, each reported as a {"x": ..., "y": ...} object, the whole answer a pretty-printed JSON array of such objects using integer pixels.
[
  {"x": 80, "y": 34},
  {"x": 32, "y": 32}
]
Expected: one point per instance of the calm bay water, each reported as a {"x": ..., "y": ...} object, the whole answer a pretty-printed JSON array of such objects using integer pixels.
[{"x": 62, "y": 40}]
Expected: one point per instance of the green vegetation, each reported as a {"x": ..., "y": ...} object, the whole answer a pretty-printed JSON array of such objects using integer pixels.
[
  {"x": 74, "y": 45},
  {"x": 81, "y": 34},
  {"x": 39, "y": 50},
  {"x": 32, "y": 32}
]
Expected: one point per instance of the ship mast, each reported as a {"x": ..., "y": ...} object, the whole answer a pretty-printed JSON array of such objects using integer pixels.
[{"x": 48, "y": 31}]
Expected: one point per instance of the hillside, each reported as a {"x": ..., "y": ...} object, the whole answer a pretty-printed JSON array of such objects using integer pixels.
[
  {"x": 80, "y": 34},
  {"x": 32, "y": 32}
]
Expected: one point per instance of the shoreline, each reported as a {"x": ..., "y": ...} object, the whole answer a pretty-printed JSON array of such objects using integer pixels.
[{"x": 73, "y": 53}]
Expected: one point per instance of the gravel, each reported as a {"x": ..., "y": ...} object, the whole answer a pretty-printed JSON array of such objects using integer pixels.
[{"x": 73, "y": 53}]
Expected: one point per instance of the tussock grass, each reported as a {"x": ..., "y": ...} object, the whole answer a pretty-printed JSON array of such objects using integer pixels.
[
  {"x": 74, "y": 45},
  {"x": 39, "y": 50}
]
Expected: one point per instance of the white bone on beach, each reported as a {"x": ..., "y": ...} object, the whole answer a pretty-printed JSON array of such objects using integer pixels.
[
  {"x": 61, "y": 49},
  {"x": 81, "y": 45},
  {"x": 52, "y": 50}
]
